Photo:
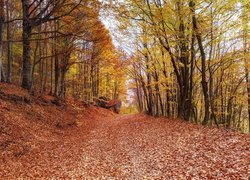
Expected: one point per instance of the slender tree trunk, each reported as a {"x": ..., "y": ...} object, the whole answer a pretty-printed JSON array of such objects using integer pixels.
[
  {"x": 1, "y": 37},
  {"x": 27, "y": 30},
  {"x": 150, "y": 93},
  {"x": 143, "y": 85},
  {"x": 211, "y": 79},
  {"x": 222, "y": 99},
  {"x": 158, "y": 93},
  {"x": 184, "y": 71},
  {"x": 86, "y": 79},
  {"x": 9, "y": 45},
  {"x": 41, "y": 52},
  {"x": 98, "y": 78},
  {"x": 63, "y": 87},
  {"x": 191, "y": 106},
  {"x": 56, "y": 66},
  {"x": 248, "y": 96},
  {"x": 51, "y": 64},
  {"x": 203, "y": 63},
  {"x": 167, "y": 113},
  {"x": 46, "y": 69},
  {"x": 246, "y": 37},
  {"x": 139, "y": 96},
  {"x": 149, "y": 88},
  {"x": 57, "y": 74},
  {"x": 92, "y": 77},
  {"x": 34, "y": 62}
]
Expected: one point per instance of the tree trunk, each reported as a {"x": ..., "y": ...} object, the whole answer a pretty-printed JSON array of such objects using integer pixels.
[
  {"x": 1, "y": 37},
  {"x": 210, "y": 70},
  {"x": 190, "y": 111},
  {"x": 246, "y": 51},
  {"x": 203, "y": 63},
  {"x": 63, "y": 87},
  {"x": 34, "y": 63},
  {"x": 184, "y": 71},
  {"x": 57, "y": 68},
  {"x": 46, "y": 69},
  {"x": 139, "y": 96},
  {"x": 9, "y": 45},
  {"x": 158, "y": 92},
  {"x": 248, "y": 96},
  {"x": 51, "y": 65},
  {"x": 27, "y": 30},
  {"x": 57, "y": 74}
]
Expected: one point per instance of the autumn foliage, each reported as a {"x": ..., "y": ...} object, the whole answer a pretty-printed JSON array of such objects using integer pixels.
[
  {"x": 59, "y": 48},
  {"x": 124, "y": 89}
]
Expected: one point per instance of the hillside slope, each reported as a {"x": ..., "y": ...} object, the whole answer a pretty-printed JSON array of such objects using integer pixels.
[{"x": 40, "y": 139}]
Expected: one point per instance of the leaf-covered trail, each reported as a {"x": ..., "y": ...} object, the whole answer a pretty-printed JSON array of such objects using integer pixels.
[{"x": 137, "y": 147}]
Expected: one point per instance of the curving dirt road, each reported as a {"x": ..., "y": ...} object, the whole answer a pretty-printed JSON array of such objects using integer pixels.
[{"x": 135, "y": 147}]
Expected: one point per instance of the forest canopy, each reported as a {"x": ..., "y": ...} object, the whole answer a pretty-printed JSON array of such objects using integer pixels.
[
  {"x": 59, "y": 47},
  {"x": 189, "y": 58}
]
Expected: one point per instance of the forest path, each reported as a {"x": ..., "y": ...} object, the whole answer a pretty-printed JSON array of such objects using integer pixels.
[{"x": 137, "y": 147}]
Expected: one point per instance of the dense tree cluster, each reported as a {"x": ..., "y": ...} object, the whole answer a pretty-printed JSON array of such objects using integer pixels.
[
  {"x": 188, "y": 58},
  {"x": 191, "y": 59},
  {"x": 58, "y": 47}
]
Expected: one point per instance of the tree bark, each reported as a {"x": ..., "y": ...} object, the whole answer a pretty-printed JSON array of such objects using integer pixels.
[
  {"x": 56, "y": 66},
  {"x": 1, "y": 37},
  {"x": 149, "y": 88},
  {"x": 27, "y": 30},
  {"x": 203, "y": 63},
  {"x": 9, "y": 45},
  {"x": 246, "y": 51}
]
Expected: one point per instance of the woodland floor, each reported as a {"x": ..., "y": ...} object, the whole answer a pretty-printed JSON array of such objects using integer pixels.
[{"x": 43, "y": 140}]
